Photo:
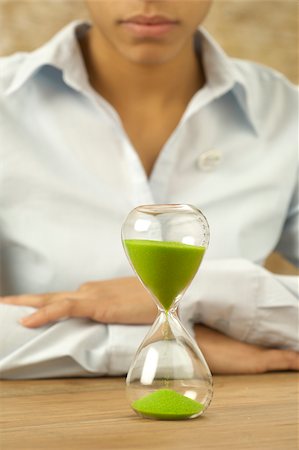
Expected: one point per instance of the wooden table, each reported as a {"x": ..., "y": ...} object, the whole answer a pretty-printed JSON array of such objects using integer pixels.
[{"x": 247, "y": 412}]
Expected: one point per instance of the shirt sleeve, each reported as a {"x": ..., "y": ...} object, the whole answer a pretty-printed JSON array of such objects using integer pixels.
[
  {"x": 288, "y": 245},
  {"x": 244, "y": 301},
  {"x": 67, "y": 348}
]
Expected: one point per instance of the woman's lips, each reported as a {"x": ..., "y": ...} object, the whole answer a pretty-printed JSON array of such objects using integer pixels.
[{"x": 145, "y": 26}]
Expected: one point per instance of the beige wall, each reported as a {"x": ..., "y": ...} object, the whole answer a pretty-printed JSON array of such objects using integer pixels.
[{"x": 264, "y": 31}]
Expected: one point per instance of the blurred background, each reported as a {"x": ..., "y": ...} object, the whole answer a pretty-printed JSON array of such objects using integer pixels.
[
  {"x": 259, "y": 30},
  {"x": 263, "y": 31}
]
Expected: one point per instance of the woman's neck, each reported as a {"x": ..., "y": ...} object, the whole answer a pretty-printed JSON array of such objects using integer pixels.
[{"x": 121, "y": 81}]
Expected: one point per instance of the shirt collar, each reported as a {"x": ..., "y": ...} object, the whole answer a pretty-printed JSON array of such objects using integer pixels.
[
  {"x": 63, "y": 52},
  {"x": 223, "y": 75}
]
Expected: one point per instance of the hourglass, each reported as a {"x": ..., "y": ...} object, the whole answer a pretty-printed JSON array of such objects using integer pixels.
[{"x": 169, "y": 378}]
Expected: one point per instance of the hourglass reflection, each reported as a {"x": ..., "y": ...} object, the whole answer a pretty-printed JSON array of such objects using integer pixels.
[{"x": 169, "y": 377}]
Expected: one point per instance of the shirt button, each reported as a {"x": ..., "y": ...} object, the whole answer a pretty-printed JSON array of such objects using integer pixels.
[{"x": 209, "y": 160}]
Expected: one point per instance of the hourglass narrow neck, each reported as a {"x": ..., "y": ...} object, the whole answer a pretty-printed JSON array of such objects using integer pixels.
[
  {"x": 171, "y": 310},
  {"x": 167, "y": 326}
]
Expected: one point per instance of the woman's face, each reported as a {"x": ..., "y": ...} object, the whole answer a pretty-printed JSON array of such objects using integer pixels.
[{"x": 147, "y": 31}]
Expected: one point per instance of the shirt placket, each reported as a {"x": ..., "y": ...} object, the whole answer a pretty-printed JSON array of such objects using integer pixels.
[
  {"x": 167, "y": 159},
  {"x": 140, "y": 189},
  {"x": 137, "y": 181}
]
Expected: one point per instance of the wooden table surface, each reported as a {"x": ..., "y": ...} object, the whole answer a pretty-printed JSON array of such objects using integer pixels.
[{"x": 248, "y": 412}]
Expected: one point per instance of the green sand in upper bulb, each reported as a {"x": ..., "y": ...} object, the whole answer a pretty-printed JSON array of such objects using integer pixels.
[
  {"x": 166, "y": 268},
  {"x": 167, "y": 404}
]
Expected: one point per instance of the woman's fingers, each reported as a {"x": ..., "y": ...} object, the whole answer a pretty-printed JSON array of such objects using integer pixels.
[
  {"x": 226, "y": 355},
  {"x": 51, "y": 307},
  {"x": 56, "y": 306},
  {"x": 35, "y": 300},
  {"x": 48, "y": 313},
  {"x": 57, "y": 310},
  {"x": 281, "y": 360}
]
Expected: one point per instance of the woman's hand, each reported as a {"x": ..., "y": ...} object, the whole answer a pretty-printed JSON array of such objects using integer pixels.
[
  {"x": 122, "y": 300},
  {"x": 226, "y": 355}
]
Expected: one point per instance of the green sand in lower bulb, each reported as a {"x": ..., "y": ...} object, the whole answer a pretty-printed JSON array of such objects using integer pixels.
[
  {"x": 168, "y": 405},
  {"x": 166, "y": 268}
]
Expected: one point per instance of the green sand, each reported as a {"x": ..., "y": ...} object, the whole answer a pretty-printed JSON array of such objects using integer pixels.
[
  {"x": 167, "y": 404},
  {"x": 166, "y": 268}
]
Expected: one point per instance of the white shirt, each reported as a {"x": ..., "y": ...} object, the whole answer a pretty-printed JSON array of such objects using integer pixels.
[{"x": 70, "y": 175}]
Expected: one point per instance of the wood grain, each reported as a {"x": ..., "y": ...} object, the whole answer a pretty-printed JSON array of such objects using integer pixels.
[{"x": 248, "y": 412}]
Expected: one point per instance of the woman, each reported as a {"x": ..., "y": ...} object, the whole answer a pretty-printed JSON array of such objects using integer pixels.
[{"x": 140, "y": 108}]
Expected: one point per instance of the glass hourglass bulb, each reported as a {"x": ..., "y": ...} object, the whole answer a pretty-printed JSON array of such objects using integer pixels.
[{"x": 169, "y": 377}]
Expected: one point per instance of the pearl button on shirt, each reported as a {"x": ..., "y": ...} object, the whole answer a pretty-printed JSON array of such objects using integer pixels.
[
  {"x": 209, "y": 160},
  {"x": 69, "y": 175}
]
